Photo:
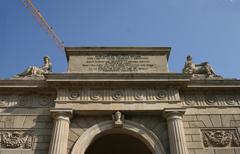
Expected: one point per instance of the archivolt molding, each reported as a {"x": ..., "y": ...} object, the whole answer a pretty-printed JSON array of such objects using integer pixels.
[{"x": 131, "y": 128}]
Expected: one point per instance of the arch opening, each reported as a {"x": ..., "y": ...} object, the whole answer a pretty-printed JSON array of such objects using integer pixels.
[
  {"x": 117, "y": 144},
  {"x": 130, "y": 129}
]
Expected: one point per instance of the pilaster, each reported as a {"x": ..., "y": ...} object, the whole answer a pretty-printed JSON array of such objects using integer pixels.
[
  {"x": 60, "y": 132},
  {"x": 176, "y": 135}
]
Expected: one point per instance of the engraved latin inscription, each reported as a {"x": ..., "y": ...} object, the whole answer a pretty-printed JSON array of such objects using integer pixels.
[{"x": 118, "y": 63}]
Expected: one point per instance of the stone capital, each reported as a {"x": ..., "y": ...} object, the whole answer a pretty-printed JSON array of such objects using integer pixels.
[
  {"x": 61, "y": 113},
  {"x": 174, "y": 113}
]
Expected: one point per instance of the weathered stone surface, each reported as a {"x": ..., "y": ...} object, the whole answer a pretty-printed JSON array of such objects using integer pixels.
[
  {"x": 196, "y": 138},
  {"x": 216, "y": 120},
  {"x": 194, "y": 145},
  {"x": 224, "y": 151},
  {"x": 197, "y": 124},
  {"x": 204, "y": 151},
  {"x": 206, "y": 120},
  {"x": 226, "y": 120}
]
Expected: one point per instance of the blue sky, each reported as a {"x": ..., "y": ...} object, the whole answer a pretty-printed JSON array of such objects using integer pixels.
[{"x": 209, "y": 30}]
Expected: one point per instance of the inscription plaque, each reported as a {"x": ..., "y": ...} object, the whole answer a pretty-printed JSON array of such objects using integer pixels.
[
  {"x": 117, "y": 60},
  {"x": 118, "y": 63}
]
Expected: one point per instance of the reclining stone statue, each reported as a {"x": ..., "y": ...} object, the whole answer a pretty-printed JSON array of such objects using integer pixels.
[
  {"x": 38, "y": 71},
  {"x": 202, "y": 69}
]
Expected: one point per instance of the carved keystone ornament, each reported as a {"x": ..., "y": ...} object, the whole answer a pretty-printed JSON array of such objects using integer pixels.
[{"x": 118, "y": 119}]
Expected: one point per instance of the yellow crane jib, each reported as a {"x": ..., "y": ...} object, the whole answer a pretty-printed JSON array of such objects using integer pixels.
[{"x": 43, "y": 23}]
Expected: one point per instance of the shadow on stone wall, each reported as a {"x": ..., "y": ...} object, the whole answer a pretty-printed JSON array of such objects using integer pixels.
[{"x": 25, "y": 123}]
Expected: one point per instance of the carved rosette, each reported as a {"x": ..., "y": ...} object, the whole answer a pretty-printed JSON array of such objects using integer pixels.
[
  {"x": 161, "y": 95},
  {"x": 139, "y": 95},
  {"x": 220, "y": 138},
  {"x": 16, "y": 139},
  {"x": 4, "y": 101},
  {"x": 74, "y": 95},
  {"x": 96, "y": 95},
  {"x": 23, "y": 101},
  {"x": 117, "y": 95},
  {"x": 189, "y": 100},
  {"x": 45, "y": 101},
  {"x": 211, "y": 100},
  {"x": 231, "y": 100}
]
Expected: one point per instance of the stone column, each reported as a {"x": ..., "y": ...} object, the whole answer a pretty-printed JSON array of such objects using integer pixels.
[
  {"x": 60, "y": 131},
  {"x": 176, "y": 134}
]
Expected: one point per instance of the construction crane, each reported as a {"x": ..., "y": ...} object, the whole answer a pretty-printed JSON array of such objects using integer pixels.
[{"x": 43, "y": 23}]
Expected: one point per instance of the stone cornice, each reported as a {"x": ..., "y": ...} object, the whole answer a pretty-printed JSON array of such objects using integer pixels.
[
  {"x": 22, "y": 83},
  {"x": 170, "y": 79},
  {"x": 95, "y": 50},
  {"x": 214, "y": 84},
  {"x": 25, "y": 86},
  {"x": 180, "y": 80}
]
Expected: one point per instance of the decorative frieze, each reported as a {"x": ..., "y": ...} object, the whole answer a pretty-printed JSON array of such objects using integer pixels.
[
  {"x": 26, "y": 101},
  {"x": 211, "y": 100},
  {"x": 118, "y": 95},
  {"x": 220, "y": 137},
  {"x": 12, "y": 139}
]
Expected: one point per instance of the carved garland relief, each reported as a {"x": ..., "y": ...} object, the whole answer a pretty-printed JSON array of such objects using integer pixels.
[
  {"x": 16, "y": 139},
  {"x": 220, "y": 138},
  {"x": 124, "y": 94},
  {"x": 214, "y": 100}
]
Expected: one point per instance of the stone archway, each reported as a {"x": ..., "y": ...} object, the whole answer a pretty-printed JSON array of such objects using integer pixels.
[{"x": 131, "y": 128}]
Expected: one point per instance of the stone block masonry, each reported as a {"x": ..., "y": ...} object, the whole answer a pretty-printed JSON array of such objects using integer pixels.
[{"x": 212, "y": 133}]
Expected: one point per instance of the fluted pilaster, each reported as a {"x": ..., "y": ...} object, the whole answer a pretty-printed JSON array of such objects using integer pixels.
[
  {"x": 60, "y": 132},
  {"x": 176, "y": 131}
]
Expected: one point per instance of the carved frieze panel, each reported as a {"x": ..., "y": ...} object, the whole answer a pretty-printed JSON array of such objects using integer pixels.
[
  {"x": 118, "y": 95},
  {"x": 26, "y": 101},
  {"x": 16, "y": 139},
  {"x": 210, "y": 100},
  {"x": 220, "y": 137}
]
